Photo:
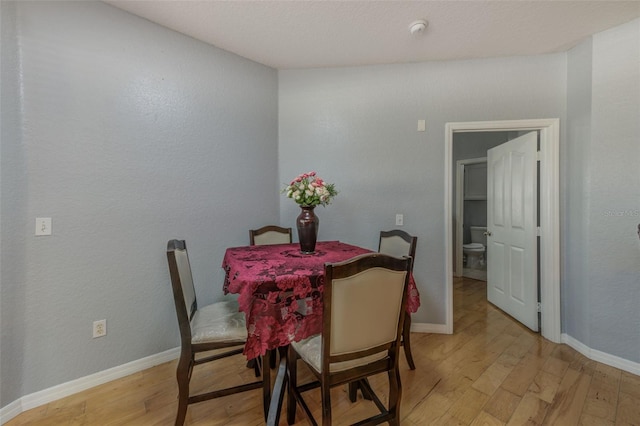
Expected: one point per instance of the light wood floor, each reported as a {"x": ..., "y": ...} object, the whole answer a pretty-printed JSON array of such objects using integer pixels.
[{"x": 492, "y": 371}]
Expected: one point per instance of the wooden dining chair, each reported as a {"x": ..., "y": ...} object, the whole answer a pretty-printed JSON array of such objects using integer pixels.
[
  {"x": 364, "y": 305},
  {"x": 399, "y": 243},
  {"x": 216, "y": 326},
  {"x": 270, "y": 234}
]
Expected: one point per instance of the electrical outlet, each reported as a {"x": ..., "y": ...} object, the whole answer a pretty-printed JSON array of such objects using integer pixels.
[
  {"x": 99, "y": 328},
  {"x": 399, "y": 219}
]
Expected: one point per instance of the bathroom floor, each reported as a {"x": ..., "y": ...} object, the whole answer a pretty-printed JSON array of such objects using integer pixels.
[{"x": 475, "y": 273}]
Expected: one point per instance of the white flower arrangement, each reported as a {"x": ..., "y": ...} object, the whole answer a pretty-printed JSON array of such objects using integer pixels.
[{"x": 310, "y": 190}]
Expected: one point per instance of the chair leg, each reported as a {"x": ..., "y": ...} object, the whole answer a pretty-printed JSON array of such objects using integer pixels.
[
  {"x": 292, "y": 361},
  {"x": 395, "y": 393},
  {"x": 266, "y": 381},
  {"x": 257, "y": 366},
  {"x": 182, "y": 375},
  {"x": 279, "y": 388},
  {"x": 406, "y": 341},
  {"x": 364, "y": 386},
  {"x": 353, "y": 391},
  {"x": 325, "y": 389}
]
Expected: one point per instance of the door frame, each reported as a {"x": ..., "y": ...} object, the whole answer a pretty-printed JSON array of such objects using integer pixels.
[
  {"x": 460, "y": 166},
  {"x": 549, "y": 214}
]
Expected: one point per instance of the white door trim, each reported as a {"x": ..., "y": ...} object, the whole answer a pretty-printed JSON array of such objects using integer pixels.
[{"x": 549, "y": 214}]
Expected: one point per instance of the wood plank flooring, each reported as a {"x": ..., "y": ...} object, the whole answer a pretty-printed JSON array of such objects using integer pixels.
[{"x": 492, "y": 371}]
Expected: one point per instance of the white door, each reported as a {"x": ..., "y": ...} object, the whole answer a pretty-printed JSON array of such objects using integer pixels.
[{"x": 512, "y": 253}]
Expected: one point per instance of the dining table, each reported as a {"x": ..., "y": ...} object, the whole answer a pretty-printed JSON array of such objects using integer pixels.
[{"x": 279, "y": 290}]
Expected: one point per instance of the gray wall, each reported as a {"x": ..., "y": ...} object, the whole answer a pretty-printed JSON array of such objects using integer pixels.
[
  {"x": 575, "y": 195},
  {"x": 602, "y": 273},
  {"x": 11, "y": 294},
  {"x": 127, "y": 134},
  {"x": 357, "y": 128}
]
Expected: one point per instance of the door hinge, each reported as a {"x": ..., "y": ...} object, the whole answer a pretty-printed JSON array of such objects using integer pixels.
[
  {"x": 538, "y": 231},
  {"x": 539, "y": 307},
  {"x": 538, "y": 155}
]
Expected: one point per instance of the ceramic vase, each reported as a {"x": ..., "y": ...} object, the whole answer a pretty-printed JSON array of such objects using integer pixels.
[{"x": 307, "y": 224}]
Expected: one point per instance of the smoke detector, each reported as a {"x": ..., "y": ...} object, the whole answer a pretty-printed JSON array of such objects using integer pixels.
[{"x": 417, "y": 27}]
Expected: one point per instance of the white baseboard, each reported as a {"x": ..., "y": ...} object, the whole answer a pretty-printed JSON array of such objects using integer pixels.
[
  {"x": 428, "y": 328},
  {"x": 9, "y": 411},
  {"x": 603, "y": 357},
  {"x": 593, "y": 354},
  {"x": 54, "y": 393}
]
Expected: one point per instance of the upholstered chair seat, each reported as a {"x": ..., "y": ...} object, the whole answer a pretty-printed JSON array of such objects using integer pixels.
[
  {"x": 310, "y": 351},
  {"x": 218, "y": 322}
]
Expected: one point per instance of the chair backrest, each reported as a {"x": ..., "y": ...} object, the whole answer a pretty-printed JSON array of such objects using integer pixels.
[
  {"x": 398, "y": 243},
  {"x": 184, "y": 293},
  {"x": 364, "y": 306},
  {"x": 270, "y": 234}
]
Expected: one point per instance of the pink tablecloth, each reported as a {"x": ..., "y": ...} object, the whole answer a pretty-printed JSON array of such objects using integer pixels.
[{"x": 280, "y": 290}]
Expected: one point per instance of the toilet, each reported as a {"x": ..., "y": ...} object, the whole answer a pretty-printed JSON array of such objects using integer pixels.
[{"x": 474, "y": 251}]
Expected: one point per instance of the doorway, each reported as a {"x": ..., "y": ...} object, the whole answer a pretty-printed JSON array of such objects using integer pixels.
[
  {"x": 549, "y": 214},
  {"x": 471, "y": 212}
]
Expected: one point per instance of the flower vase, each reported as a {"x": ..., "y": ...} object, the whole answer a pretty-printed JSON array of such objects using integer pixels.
[{"x": 307, "y": 224}]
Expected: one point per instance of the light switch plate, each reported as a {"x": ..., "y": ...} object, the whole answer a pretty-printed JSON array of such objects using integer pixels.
[
  {"x": 43, "y": 226},
  {"x": 399, "y": 219}
]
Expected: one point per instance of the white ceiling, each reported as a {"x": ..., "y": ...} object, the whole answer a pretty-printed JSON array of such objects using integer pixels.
[{"x": 323, "y": 33}]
